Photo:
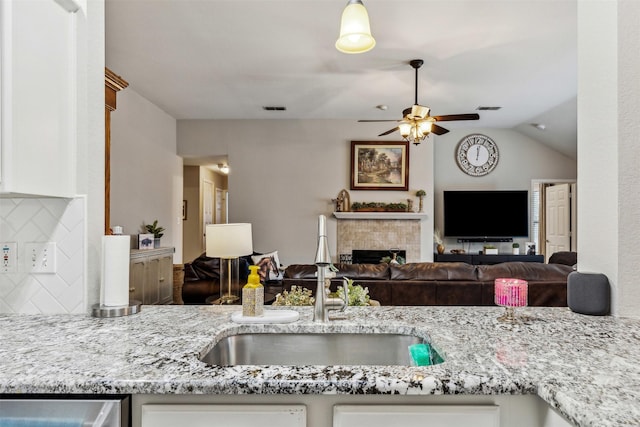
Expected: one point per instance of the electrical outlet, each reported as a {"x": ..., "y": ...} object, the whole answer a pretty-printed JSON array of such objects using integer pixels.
[
  {"x": 40, "y": 257},
  {"x": 8, "y": 257}
]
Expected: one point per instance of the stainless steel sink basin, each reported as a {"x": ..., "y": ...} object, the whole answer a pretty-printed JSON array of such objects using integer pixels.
[{"x": 318, "y": 349}]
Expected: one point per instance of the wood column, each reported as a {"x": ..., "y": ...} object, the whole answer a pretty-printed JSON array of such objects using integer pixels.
[{"x": 112, "y": 85}]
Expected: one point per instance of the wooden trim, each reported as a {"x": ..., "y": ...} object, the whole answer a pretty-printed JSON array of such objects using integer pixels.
[{"x": 113, "y": 83}]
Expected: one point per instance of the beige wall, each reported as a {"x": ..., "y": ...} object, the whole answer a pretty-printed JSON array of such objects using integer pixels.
[
  {"x": 521, "y": 159},
  {"x": 146, "y": 173},
  {"x": 281, "y": 186},
  {"x": 284, "y": 174}
]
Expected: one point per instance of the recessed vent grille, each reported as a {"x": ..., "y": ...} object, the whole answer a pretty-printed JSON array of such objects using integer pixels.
[
  {"x": 484, "y": 108},
  {"x": 274, "y": 108}
]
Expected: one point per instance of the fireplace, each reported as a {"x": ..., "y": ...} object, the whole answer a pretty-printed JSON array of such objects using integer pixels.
[
  {"x": 379, "y": 231},
  {"x": 373, "y": 256}
]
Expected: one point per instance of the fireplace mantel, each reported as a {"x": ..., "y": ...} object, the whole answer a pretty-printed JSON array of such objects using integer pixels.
[{"x": 380, "y": 215}]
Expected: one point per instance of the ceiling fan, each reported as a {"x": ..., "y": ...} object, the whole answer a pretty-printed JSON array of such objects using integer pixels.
[{"x": 416, "y": 123}]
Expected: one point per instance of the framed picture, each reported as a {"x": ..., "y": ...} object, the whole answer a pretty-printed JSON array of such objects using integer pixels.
[
  {"x": 145, "y": 241},
  {"x": 184, "y": 210},
  {"x": 379, "y": 165},
  {"x": 530, "y": 248}
]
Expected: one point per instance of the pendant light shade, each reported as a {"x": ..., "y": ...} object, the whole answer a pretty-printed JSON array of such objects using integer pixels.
[{"x": 355, "y": 33}]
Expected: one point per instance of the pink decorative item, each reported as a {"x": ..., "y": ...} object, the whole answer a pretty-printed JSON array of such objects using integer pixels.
[{"x": 510, "y": 293}]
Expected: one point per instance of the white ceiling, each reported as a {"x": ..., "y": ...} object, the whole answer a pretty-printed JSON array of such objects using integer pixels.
[{"x": 226, "y": 59}]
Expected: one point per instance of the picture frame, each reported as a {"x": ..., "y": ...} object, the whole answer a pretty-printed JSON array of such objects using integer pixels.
[
  {"x": 530, "y": 248},
  {"x": 380, "y": 165},
  {"x": 145, "y": 241},
  {"x": 184, "y": 210}
]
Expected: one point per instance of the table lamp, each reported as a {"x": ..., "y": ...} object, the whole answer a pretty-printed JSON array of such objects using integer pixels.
[{"x": 229, "y": 242}]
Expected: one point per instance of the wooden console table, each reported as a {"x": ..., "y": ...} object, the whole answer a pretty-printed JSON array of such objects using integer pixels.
[{"x": 478, "y": 259}]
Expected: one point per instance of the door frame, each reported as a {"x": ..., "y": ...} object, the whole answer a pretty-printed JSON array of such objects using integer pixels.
[{"x": 573, "y": 217}]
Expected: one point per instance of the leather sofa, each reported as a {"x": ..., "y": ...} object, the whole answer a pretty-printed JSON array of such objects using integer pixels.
[{"x": 442, "y": 283}]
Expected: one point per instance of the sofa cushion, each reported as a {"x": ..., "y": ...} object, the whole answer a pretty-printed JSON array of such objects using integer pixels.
[
  {"x": 352, "y": 271},
  {"x": 433, "y": 271},
  {"x": 564, "y": 257},
  {"x": 530, "y": 271}
]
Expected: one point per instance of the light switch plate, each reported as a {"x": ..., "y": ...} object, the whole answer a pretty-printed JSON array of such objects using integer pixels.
[
  {"x": 40, "y": 257},
  {"x": 8, "y": 257}
]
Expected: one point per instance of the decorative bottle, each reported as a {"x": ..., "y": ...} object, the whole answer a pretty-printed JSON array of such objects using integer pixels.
[{"x": 253, "y": 294}]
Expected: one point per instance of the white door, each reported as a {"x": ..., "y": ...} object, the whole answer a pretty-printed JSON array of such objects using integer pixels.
[
  {"x": 221, "y": 217},
  {"x": 558, "y": 219},
  {"x": 207, "y": 207}
]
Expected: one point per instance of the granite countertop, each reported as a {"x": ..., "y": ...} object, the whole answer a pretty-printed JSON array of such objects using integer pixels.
[{"x": 586, "y": 367}]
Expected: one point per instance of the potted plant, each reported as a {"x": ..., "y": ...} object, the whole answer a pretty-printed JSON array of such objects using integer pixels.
[
  {"x": 157, "y": 232},
  {"x": 516, "y": 248},
  {"x": 420, "y": 194}
]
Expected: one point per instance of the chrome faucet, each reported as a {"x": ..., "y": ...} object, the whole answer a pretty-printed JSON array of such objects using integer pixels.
[{"x": 323, "y": 263}]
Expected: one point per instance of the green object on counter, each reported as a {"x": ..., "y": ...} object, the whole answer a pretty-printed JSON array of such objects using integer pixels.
[{"x": 421, "y": 354}]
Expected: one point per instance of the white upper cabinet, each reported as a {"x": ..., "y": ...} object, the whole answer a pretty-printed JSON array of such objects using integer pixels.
[{"x": 39, "y": 97}]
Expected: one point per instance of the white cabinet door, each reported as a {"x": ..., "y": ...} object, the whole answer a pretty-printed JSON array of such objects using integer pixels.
[
  {"x": 223, "y": 415},
  {"x": 416, "y": 416},
  {"x": 38, "y": 92}
]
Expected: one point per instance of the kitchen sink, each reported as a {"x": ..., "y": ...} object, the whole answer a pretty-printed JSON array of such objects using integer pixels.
[{"x": 322, "y": 349}]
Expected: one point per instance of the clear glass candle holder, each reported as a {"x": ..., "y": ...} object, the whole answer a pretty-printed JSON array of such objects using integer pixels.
[{"x": 511, "y": 294}]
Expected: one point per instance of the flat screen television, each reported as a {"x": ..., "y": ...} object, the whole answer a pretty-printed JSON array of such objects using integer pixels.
[{"x": 486, "y": 215}]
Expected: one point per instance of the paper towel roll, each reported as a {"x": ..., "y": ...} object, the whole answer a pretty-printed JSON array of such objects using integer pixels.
[{"x": 115, "y": 270}]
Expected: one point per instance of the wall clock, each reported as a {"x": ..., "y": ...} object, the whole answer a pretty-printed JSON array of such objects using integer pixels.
[{"x": 477, "y": 154}]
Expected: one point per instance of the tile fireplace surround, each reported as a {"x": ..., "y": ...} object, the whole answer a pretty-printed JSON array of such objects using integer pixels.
[{"x": 380, "y": 230}]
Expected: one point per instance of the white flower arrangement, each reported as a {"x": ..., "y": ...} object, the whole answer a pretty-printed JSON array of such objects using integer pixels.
[
  {"x": 296, "y": 296},
  {"x": 357, "y": 294},
  {"x": 436, "y": 237}
]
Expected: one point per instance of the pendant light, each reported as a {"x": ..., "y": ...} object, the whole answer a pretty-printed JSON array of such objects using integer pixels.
[{"x": 355, "y": 33}]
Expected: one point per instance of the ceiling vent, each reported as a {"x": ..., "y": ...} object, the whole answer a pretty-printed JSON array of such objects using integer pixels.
[
  {"x": 483, "y": 108},
  {"x": 274, "y": 108}
]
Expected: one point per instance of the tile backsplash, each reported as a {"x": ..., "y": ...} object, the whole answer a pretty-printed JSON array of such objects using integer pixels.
[{"x": 62, "y": 221}]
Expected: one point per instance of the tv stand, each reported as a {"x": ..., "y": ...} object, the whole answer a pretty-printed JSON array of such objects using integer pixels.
[{"x": 478, "y": 259}]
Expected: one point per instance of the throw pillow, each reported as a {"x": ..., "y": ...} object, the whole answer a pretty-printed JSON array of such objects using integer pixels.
[{"x": 269, "y": 266}]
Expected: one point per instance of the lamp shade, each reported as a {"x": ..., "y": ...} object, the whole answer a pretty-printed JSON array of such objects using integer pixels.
[
  {"x": 355, "y": 33},
  {"x": 228, "y": 240}
]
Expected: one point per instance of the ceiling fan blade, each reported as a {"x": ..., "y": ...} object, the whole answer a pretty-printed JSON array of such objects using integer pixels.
[
  {"x": 389, "y": 131},
  {"x": 438, "y": 130},
  {"x": 374, "y": 121},
  {"x": 453, "y": 117}
]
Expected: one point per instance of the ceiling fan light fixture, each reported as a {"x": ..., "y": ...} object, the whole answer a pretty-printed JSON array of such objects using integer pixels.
[
  {"x": 405, "y": 129},
  {"x": 414, "y": 131},
  {"x": 419, "y": 112},
  {"x": 355, "y": 32},
  {"x": 425, "y": 126}
]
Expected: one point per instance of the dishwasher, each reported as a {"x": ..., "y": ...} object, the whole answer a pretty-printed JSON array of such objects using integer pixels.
[{"x": 65, "y": 410}]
